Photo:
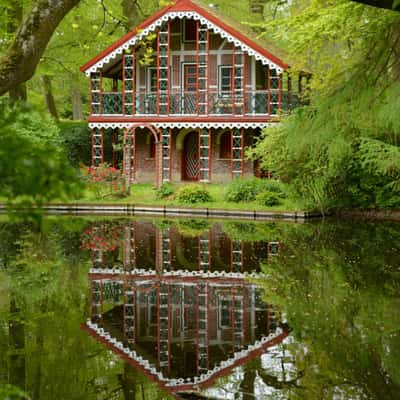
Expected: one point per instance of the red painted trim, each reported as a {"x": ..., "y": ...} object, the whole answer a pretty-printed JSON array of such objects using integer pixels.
[
  {"x": 231, "y": 161},
  {"x": 242, "y": 142},
  {"x": 144, "y": 120},
  {"x": 209, "y": 160},
  {"x": 186, "y": 5},
  {"x": 102, "y": 145},
  {"x": 133, "y": 51},
  {"x": 197, "y": 75},
  {"x": 123, "y": 82},
  {"x": 101, "y": 92},
  {"x": 158, "y": 74},
  {"x": 268, "y": 93},
  {"x": 169, "y": 69}
]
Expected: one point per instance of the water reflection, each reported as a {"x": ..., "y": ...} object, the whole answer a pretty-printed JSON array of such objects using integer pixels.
[{"x": 182, "y": 307}]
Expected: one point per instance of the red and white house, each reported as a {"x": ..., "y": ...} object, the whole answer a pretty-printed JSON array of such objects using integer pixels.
[{"x": 188, "y": 116}]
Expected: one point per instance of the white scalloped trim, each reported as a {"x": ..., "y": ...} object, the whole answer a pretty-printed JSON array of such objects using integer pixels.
[
  {"x": 237, "y": 356},
  {"x": 189, "y": 15},
  {"x": 181, "y": 125},
  {"x": 178, "y": 273}
]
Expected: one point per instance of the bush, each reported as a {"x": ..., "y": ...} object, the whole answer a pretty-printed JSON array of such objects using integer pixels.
[
  {"x": 75, "y": 138},
  {"x": 274, "y": 186},
  {"x": 268, "y": 199},
  {"x": 104, "y": 181},
  {"x": 165, "y": 190},
  {"x": 242, "y": 190},
  {"x": 193, "y": 194}
]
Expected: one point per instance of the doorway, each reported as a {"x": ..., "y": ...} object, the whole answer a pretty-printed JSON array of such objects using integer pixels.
[{"x": 190, "y": 162}]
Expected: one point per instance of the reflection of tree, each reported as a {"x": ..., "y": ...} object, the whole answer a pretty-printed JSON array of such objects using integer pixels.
[
  {"x": 339, "y": 297},
  {"x": 43, "y": 350}
]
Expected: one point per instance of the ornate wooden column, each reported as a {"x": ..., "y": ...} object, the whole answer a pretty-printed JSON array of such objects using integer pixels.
[
  {"x": 166, "y": 138},
  {"x": 129, "y": 157},
  {"x": 128, "y": 82},
  {"x": 237, "y": 152},
  {"x": 96, "y": 93},
  {"x": 97, "y": 146},
  {"x": 205, "y": 154}
]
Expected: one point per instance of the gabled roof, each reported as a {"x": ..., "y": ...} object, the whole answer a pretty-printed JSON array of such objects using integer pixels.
[{"x": 231, "y": 30}]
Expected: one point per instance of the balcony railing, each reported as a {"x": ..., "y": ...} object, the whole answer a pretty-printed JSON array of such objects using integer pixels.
[{"x": 256, "y": 102}]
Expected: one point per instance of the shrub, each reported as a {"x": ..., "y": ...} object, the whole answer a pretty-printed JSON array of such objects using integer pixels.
[
  {"x": 75, "y": 138},
  {"x": 275, "y": 186},
  {"x": 165, "y": 190},
  {"x": 268, "y": 198},
  {"x": 104, "y": 181},
  {"x": 192, "y": 194},
  {"x": 243, "y": 189}
]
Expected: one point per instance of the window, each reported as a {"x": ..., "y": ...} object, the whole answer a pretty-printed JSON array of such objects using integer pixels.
[
  {"x": 152, "y": 153},
  {"x": 225, "y": 79},
  {"x": 189, "y": 30},
  {"x": 151, "y": 79},
  {"x": 225, "y": 145}
]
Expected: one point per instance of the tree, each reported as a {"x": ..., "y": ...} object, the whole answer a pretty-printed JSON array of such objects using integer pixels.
[{"x": 343, "y": 150}]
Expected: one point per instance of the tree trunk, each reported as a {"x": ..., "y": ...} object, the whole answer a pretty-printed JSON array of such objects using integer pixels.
[
  {"x": 48, "y": 96},
  {"x": 76, "y": 100},
  {"x": 15, "y": 15},
  {"x": 19, "y": 62}
]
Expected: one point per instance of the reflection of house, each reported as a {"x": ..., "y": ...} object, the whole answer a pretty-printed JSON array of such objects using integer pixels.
[
  {"x": 184, "y": 332},
  {"x": 185, "y": 315},
  {"x": 210, "y": 87},
  {"x": 146, "y": 246}
]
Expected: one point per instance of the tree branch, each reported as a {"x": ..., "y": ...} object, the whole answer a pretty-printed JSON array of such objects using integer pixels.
[{"x": 19, "y": 62}]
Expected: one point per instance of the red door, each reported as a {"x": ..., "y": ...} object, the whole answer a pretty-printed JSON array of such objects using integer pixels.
[
  {"x": 191, "y": 157},
  {"x": 189, "y": 88}
]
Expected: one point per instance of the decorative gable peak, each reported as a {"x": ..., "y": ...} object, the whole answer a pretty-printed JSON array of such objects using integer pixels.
[{"x": 187, "y": 9}]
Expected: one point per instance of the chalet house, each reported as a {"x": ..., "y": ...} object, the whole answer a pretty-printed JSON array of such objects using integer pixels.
[{"x": 187, "y": 115}]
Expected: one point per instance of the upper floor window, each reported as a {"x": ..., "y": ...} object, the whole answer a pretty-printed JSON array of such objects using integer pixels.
[
  {"x": 189, "y": 30},
  {"x": 225, "y": 78},
  {"x": 151, "y": 79}
]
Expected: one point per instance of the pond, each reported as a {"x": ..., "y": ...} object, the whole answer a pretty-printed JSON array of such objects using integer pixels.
[{"x": 194, "y": 309}]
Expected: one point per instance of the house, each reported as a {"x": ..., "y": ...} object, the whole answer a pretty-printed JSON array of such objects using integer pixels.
[
  {"x": 185, "y": 313},
  {"x": 187, "y": 115}
]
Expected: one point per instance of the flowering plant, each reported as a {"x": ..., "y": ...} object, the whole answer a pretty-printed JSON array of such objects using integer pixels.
[
  {"x": 104, "y": 180},
  {"x": 105, "y": 237}
]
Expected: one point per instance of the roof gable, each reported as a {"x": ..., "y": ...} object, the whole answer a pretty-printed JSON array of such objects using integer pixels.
[{"x": 190, "y": 10}]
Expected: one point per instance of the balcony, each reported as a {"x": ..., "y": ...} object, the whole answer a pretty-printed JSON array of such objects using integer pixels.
[{"x": 252, "y": 103}]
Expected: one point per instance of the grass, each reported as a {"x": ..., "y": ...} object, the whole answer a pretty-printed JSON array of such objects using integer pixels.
[{"x": 145, "y": 194}]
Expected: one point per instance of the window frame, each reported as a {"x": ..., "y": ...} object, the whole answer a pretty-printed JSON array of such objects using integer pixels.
[{"x": 220, "y": 78}]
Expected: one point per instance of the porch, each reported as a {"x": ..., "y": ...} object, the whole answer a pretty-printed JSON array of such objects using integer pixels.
[{"x": 265, "y": 103}]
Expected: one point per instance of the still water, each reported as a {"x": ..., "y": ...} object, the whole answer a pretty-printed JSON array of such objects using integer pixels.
[{"x": 192, "y": 309}]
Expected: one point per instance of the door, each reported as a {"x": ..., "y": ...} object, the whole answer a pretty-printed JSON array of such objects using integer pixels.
[
  {"x": 191, "y": 157},
  {"x": 189, "y": 88}
]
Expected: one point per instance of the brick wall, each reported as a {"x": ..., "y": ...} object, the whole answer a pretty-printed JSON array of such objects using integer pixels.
[{"x": 221, "y": 168}]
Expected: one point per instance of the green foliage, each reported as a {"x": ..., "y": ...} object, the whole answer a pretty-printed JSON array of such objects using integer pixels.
[
  {"x": 268, "y": 199},
  {"x": 33, "y": 170},
  {"x": 343, "y": 150},
  {"x": 245, "y": 189},
  {"x": 165, "y": 190},
  {"x": 193, "y": 227},
  {"x": 9, "y": 392},
  {"x": 193, "y": 194},
  {"x": 75, "y": 139}
]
